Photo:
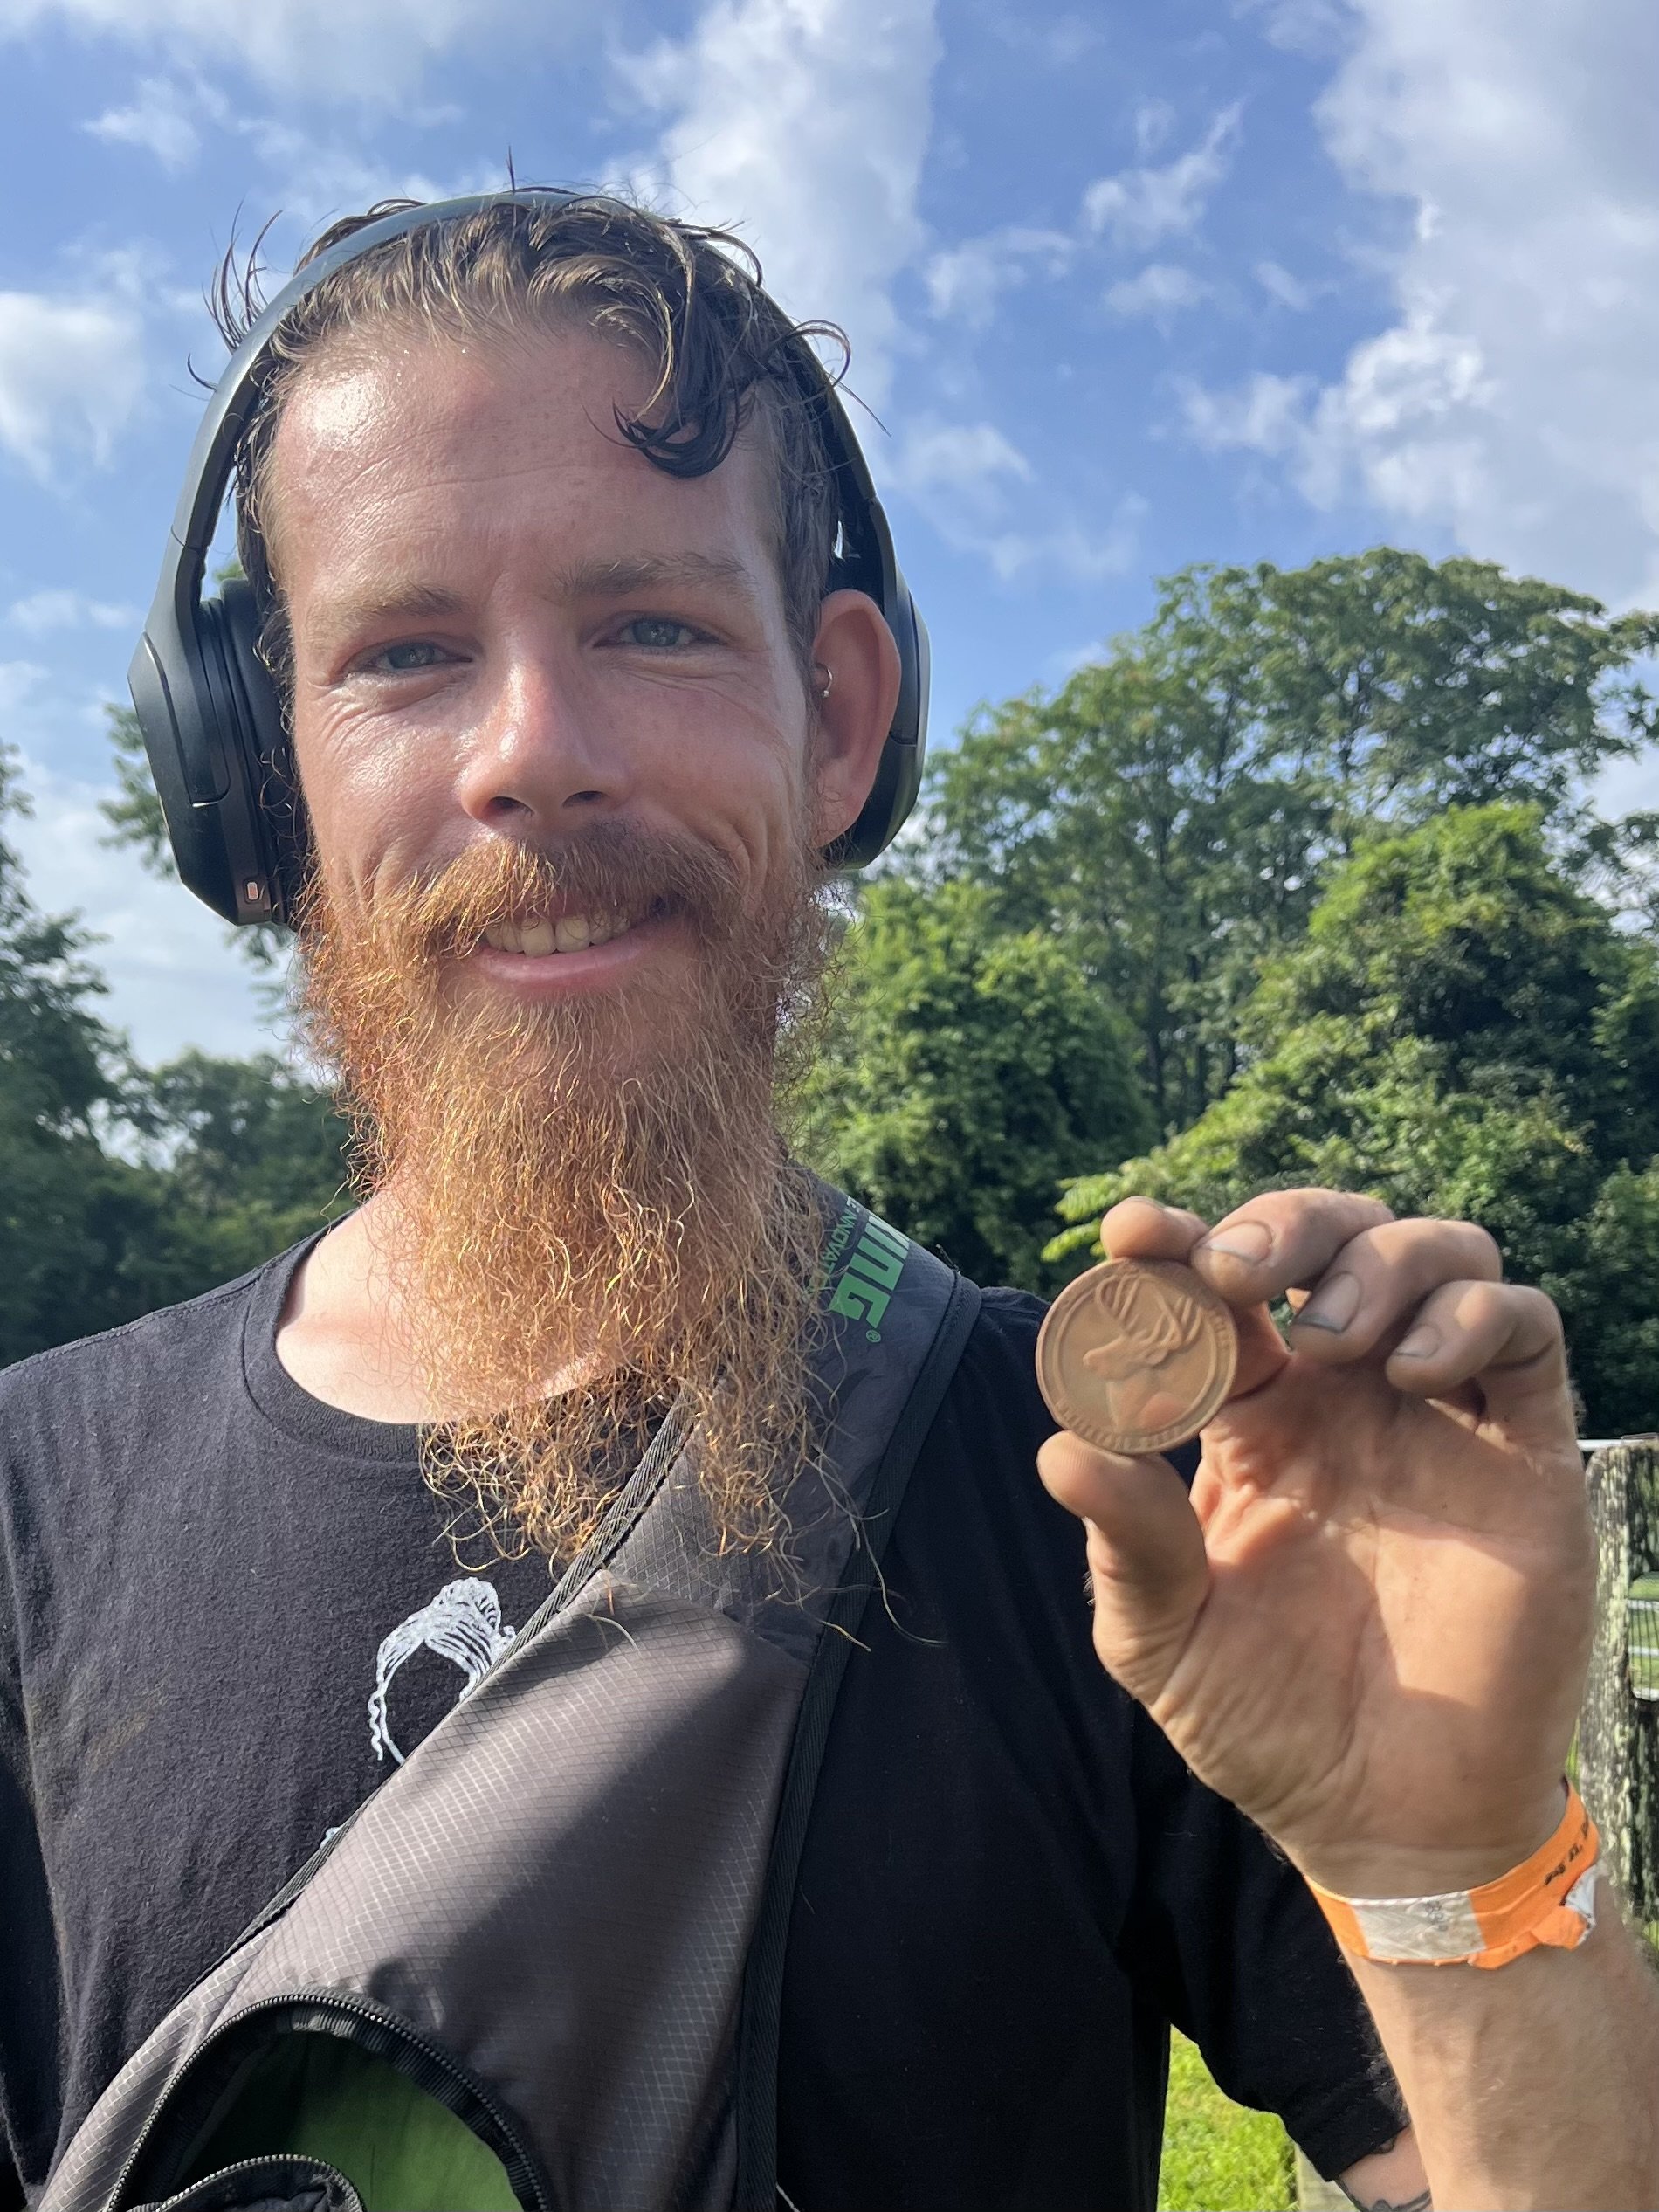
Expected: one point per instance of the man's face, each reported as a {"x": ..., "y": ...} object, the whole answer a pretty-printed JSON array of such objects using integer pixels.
[
  {"x": 508, "y": 626},
  {"x": 545, "y": 693}
]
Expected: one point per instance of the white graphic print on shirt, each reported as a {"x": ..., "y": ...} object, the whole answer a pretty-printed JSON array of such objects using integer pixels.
[{"x": 463, "y": 1624}]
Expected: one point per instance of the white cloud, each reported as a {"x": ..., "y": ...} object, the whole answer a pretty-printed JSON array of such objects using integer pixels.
[
  {"x": 1267, "y": 415},
  {"x": 1160, "y": 292},
  {"x": 160, "y": 120},
  {"x": 321, "y": 174},
  {"x": 1138, "y": 207},
  {"x": 1280, "y": 285},
  {"x": 71, "y": 376},
  {"x": 18, "y": 680},
  {"x": 1404, "y": 419},
  {"x": 968, "y": 280},
  {"x": 1072, "y": 549},
  {"x": 1061, "y": 41},
  {"x": 1154, "y": 120},
  {"x": 1512, "y": 399},
  {"x": 1300, "y": 27},
  {"x": 962, "y": 458},
  {"x": 968, "y": 479},
  {"x": 59, "y": 609},
  {"x": 1134, "y": 209},
  {"x": 374, "y": 51},
  {"x": 805, "y": 122}
]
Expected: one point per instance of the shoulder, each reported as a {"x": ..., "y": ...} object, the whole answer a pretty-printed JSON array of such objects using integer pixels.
[
  {"x": 121, "y": 1368},
  {"x": 979, "y": 1544},
  {"x": 979, "y": 1455},
  {"x": 998, "y": 1365},
  {"x": 985, "y": 1549}
]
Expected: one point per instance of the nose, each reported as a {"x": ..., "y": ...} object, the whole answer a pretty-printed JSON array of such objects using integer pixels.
[{"x": 538, "y": 760}]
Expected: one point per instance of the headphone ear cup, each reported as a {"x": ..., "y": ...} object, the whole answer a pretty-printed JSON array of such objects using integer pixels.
[
  {"x": 276, "y": 812},
  {"x": 899, "y": 772}
]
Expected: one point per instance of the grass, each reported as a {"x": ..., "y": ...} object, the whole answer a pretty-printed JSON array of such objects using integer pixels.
[{"x": 1217, "y": 2156}]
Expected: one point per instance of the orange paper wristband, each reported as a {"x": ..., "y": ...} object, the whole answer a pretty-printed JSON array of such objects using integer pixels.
[{"x": 1550, "y": 1899}]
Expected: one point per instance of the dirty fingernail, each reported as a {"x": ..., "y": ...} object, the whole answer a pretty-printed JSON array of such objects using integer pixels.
[
  {"x": 1332, "y": 1306},
  {"x": 1241, "y": 1240},
  {"x": 1423, "y": 1341}
]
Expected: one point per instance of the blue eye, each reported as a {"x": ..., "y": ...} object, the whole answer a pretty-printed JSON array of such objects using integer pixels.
[
  {"x": 406, "y": 660},
  {"x": 657, "y": 631}
]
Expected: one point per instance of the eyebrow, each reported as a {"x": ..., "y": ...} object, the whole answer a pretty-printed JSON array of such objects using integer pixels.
[{"x": 619, "y": 579}]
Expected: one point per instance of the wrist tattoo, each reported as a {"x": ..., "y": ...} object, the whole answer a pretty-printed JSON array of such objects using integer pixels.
[{"x": 1421, "y": 2203}]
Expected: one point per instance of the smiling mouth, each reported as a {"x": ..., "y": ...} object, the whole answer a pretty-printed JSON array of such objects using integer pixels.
[{"x": 536, "y": 938}]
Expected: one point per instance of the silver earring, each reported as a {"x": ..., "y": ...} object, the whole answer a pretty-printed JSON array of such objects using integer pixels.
[{"x": 829, "y": 682}]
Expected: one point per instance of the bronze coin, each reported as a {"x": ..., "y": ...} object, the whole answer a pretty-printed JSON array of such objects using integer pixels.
[{"x": 1137, "y": 1355}]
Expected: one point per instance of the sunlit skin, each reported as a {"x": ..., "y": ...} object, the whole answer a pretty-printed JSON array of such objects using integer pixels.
[{"x": 507, "y": 623}]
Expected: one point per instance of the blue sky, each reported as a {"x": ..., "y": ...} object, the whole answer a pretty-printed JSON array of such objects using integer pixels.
[{"x": 1128, "y": 287}]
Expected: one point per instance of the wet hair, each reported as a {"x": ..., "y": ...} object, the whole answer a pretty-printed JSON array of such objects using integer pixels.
[{"x": 684, "y": 298}]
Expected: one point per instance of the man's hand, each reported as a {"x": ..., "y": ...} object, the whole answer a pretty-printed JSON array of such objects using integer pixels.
[{"x": 1369, "y": 1626}]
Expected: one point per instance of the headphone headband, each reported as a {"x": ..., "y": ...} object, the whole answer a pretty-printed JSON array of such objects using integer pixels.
[{"x": 206, "y": 706}]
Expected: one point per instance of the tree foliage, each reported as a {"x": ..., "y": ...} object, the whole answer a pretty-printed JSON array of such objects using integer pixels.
[
  {"x": 122, "y": 1189},
  {"x": 1461, "y": 1031},
  {"x": 250, "y": 1158},
  {"x": 63, "y": 1216},
  {"x": 1181, "y": 803},
  {"x": 965, "y": 1072}
]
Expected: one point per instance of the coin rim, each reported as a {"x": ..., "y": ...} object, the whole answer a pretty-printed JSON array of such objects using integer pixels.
[{"x": 1218, "y": 1316}]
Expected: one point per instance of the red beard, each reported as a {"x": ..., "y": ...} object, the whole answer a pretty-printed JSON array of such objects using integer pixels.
[{"x": 569, "y": 1248}]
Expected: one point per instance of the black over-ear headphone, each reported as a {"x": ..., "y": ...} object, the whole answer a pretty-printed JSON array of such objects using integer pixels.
[{"x": 209, "y": 711}]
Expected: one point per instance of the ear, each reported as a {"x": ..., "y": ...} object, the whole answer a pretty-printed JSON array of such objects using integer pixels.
[{"x": 855, "y": 648}]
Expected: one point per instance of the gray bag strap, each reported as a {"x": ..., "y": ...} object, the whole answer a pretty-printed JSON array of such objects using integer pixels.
[{"x": 761, "y": 2017}]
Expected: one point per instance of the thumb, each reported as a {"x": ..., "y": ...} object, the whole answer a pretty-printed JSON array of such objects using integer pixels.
[{"x": 1147, "y": 1556}]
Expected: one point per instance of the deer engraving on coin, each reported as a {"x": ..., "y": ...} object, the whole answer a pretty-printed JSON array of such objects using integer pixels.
[{"x": 1137, "y": 1355}]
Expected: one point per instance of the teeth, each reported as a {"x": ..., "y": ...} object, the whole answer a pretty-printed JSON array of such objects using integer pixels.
[{"x": 570, "y": 933}]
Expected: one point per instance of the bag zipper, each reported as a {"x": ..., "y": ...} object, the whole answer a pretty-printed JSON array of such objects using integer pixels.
[
  {"x": 319, "y": 2167},
  {"x": 374, "y": 2029}
]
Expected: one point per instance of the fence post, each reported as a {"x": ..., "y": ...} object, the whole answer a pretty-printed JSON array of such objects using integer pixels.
[{"x": 1618, "y": 1751}]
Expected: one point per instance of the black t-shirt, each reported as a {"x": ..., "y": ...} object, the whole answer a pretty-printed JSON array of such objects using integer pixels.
[{"x": 228, "y": 1610}]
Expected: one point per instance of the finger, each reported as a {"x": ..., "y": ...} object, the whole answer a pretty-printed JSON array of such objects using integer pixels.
[
  {"x": 1375, "y": 1284},
  {"x": 1147, "y": 1556},
  {"x": 1506, "y": 1340},
  {"x": 1279, "y": 1239},
  {"x": 1141, "y": 1229}
]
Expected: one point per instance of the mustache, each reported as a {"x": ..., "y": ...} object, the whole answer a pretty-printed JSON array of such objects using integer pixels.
[{"x": 614, "y": 867}]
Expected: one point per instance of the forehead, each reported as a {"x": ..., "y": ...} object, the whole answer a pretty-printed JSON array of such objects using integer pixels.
[{"x": 452, "y": 448}]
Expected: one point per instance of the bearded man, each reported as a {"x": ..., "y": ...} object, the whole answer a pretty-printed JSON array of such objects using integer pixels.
[{"x": 541, "y": 530}]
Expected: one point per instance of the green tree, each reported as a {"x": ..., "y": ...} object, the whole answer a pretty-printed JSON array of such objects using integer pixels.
[
  {"x": 250, "y": 1158},
  {"x": 122, "y": 1189},
  {"x": 1462, "y": 1032},
  {"x": 964, "y": 1072},
  {"x": 1181, "y": 803},
  {"x": 69, "y": 1213}
]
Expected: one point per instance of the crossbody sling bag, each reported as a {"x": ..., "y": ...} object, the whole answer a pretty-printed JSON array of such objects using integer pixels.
[{"x": 542, "y": 1965}]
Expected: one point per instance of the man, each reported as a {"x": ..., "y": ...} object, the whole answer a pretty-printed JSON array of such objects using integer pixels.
[{"x": 541, "y": 546}]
